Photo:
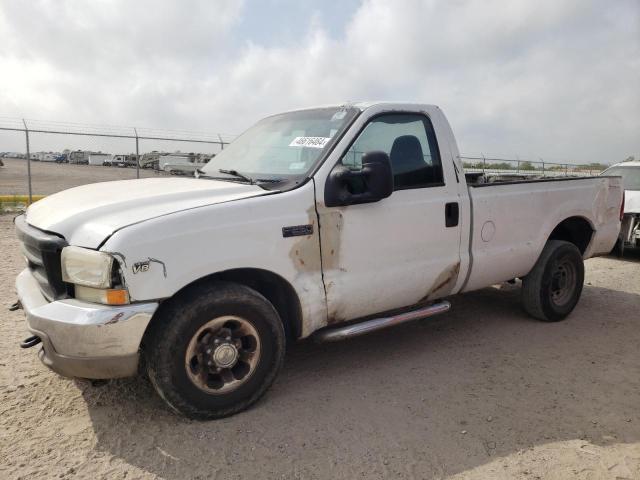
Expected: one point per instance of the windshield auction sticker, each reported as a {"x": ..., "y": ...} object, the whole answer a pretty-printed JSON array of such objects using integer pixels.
[{"x": 309, "y": 142}]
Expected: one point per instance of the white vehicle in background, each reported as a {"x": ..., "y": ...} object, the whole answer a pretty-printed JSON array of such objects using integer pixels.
[
  {"x": 151, "y": 159},
  {"x": 331, "y": 222},
  {"x": 122, "y": 160},
  {"x": 630, "y": 230},
  {"x": 182, "y": 164},
  {"x": 99, "y": 159},
  {"x": 79, "y": 157},
  {"x": 47, "y": 156}
]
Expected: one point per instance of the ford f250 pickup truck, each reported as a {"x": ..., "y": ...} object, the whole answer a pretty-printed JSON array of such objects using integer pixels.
[{"x": 326, "y": 222}]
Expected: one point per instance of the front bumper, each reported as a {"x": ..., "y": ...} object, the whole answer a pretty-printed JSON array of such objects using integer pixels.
[{"x": 81, "y": 339}]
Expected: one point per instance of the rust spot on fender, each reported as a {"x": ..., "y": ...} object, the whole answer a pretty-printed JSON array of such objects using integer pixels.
[
  {"x": 331, "y": 223},
  {"x": 444, "y": 283},
  {"x": 305, "y": 252}
]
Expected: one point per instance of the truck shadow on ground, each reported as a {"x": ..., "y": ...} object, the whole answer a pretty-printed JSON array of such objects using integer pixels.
[
  {"x": 630, "y": 255},
  {"x": 425, "y": 399}
]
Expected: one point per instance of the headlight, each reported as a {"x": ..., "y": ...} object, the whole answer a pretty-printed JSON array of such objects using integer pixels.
[
  {"x": 94, "y": 275},
  {"x": 86, "y": 267}
]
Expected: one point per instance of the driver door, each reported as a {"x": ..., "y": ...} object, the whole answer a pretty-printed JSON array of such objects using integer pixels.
[{"x": 401, "y": 250}]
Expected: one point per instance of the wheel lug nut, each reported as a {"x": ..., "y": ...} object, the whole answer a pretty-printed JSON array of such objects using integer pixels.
[
  {"x": 208, "y": 351},
  {"x": 228, "y": 339}
]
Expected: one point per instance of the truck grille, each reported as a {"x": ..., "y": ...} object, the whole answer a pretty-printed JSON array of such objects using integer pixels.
[{"x": 42, "y": 251}]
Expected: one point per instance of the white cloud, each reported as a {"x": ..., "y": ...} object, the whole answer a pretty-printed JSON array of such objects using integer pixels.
[{"x": 557, "y": 80}]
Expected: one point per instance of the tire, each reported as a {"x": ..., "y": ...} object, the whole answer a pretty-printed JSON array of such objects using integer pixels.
[
  {"x": 618, "y": 248},
  {"x": 192, "y": 329},
  {"x": 552, "y": 289}
]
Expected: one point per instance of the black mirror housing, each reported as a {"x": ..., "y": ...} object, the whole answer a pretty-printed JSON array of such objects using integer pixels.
[{"x": 373, "y": 182}]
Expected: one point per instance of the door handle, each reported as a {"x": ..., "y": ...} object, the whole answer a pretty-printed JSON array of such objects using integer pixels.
[{"x": 451, "y": 214}]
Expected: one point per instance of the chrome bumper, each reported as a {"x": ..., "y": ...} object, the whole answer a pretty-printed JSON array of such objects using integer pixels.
[{"x": 81, "y": 339}]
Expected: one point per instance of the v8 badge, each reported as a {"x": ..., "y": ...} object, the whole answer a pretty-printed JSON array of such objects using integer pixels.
[{"x": 140, "y": 267}]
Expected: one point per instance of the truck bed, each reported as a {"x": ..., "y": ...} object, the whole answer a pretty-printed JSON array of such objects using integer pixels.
[{"x": 512, "y": 220}]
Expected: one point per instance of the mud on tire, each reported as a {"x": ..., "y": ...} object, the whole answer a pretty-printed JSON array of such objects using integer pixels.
[{"x": 185, "y": 356}]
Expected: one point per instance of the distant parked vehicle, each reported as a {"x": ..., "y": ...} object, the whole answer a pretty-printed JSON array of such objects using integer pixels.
[
  {"x": 62, "y": 158},
  {"x": 630, "y": 230},
  {"x": 131, "y": 160},
  {"x": 12, "y": 155},
  {"x": 124, "y": 160},
  {"x": 99, "y": 158},
  {"x": 150, "y": 160},
  {"x": 46, "y": 157},
  {"x": 80, "y": 157},
  {"x": 182, "y": 164}
]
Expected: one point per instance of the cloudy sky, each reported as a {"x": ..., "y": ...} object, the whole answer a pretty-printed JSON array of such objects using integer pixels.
[{"x": 552, "y": 79}]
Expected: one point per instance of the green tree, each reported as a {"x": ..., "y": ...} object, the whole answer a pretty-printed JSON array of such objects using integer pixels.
[{"x": 527, "y": 166}]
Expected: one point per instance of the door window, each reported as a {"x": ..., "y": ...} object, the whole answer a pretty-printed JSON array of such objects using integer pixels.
[{"x": 410, "y": 142}]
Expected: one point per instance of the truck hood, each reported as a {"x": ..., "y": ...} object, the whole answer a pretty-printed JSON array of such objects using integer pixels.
[
  {"x": 85, "y": 216},
  {"x": 632, "y": 201}
]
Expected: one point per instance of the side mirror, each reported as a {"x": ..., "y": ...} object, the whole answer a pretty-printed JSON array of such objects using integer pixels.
[{"x": 373, "y": 182}]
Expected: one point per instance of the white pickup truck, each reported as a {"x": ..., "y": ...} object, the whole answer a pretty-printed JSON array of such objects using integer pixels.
[
  {"x": 630, "y": 228},
  {"x": 327, "y": 222}
]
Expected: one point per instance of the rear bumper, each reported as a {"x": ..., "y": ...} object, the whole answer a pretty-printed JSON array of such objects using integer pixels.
[{"x": 81, "y": 339}]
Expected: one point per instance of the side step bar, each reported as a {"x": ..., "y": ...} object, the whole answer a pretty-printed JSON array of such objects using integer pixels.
[{"x": 348, "y": 331}]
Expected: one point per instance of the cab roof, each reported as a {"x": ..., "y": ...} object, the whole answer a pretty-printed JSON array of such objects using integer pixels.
[{"x": 363, "y": 105}]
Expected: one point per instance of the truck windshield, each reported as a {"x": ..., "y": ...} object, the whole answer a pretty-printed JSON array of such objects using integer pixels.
[
  {"x": 281, "y": 149},
  {"x": 630, "y": 176}
]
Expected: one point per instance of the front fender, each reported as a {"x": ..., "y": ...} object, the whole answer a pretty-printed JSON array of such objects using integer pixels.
[{"x": 161, "y": 256}]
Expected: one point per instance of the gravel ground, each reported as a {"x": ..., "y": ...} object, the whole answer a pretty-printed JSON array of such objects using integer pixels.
[
  {"x": 481, "y": 392},
  {"x": 48, "y": 177}
]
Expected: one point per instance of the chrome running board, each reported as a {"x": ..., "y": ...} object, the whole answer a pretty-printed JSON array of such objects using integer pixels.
[{"x": 334, "y": 334}]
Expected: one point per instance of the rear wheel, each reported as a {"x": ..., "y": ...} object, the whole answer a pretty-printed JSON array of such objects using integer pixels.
[
  {"x": 552, "y": 289},
  {"x": 215, "y": 350}
]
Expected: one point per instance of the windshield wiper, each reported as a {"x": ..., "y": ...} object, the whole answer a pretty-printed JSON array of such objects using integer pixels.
[
  {"x": 234, "y": 173},
  {"x": 237, "y": 174}
]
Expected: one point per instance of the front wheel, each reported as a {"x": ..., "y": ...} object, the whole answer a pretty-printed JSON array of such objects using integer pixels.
[
  {"x": 215, "y": 350},
  {"x": 552, "y": 289}
]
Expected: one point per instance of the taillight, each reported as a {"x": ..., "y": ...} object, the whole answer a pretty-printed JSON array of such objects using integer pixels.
[{"x": 622, "y": 207}]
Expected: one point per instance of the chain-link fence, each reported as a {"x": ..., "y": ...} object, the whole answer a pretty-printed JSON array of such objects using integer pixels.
[
  {"x": 526, "y": 168},
  {"x": 40, "y": 158}
]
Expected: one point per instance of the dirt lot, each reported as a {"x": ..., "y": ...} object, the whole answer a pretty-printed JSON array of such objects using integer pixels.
[
  {"x": 48, "y": 177},
  {"x": 481, "y": 392}
]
